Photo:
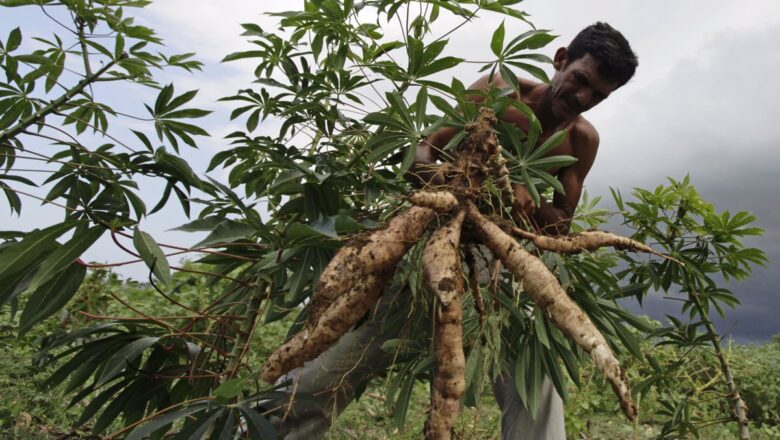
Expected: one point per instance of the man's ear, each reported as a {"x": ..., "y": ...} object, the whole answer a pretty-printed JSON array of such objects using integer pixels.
[{"x": 559, "y": 61}]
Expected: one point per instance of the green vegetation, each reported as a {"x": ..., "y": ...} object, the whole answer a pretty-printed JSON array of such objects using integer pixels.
[
  {"x": 32, "y": 410},
  {"x": 351, "y": 103}
]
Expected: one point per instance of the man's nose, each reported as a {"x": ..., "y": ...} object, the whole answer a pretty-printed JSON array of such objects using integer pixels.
[{"x": 584, "y": 97}]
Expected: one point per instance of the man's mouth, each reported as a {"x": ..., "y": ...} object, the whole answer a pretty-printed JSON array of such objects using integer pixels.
[{"x": 571, "y": 107}]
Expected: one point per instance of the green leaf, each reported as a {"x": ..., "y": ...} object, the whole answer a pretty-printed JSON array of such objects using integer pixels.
[
  {"x": 152, "y": 255},
  {"x": 259, "y": 427},
  {"x": 119, "y": 46},
  {"x": 64, "y": 256},
  {"x": 228, "y": 231},
  {"x": 18, "y": 256},
  {"x": 246, "y": 54},
  {"x": 57, "y": 66},
  {"x": 550, "y": 144},
  {"x": 51, "y": 297},
  {"x": 537, "y": 72},
  {"x": 286, "y": 178},
  {"x": 438, "y": 65},
  {"x": 17, "y": 283},
  {"x": 497, "y": 42},
  {"x": 549, "y": 180},
  {"x": 197, "y": 428},
  {"x": 158, "y": 422},
  {"x": 509, "y": 77},
  {"x": 420, "y": 105},
  {"x": 162, "y": 99},
  {"x": 14, "y": 40},
  {"x": 100, "y": 48},
  {"x": 123, "y": 357},
  {"x": 558, "y": 161},
  {"x": 201, "y": 224},
  {"x": 531, "y": 187},
  {"x": 230, "y": 388}
]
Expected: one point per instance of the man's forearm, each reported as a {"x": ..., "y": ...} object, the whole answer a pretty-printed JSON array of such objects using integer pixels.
[
  {"x": 550, "y": 219},
  {"x": 424, "y": 169},
  {"x": 423, "y": 173}
]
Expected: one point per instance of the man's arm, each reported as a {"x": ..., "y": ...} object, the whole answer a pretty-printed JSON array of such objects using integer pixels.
[
  {"x": 423, "y": 170},
  {"x": 555, "y": 217}
]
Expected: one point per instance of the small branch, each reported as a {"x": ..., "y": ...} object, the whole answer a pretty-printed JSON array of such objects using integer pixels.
[
  {"x": 131, "y": 318},
  {"x": 54, "y": 105},
  {"x": 165, "y": 324},
  {"x": 43, "y": 200},
  {"x": 83, "y": 42},
  {"x": 740, "y": 408},
  {"x": 171, "y": 300},
  {"x": 203, "y": 249}
]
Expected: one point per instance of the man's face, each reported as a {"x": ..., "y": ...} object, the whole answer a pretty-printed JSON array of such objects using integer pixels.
[{"x": 577, "y": 85}]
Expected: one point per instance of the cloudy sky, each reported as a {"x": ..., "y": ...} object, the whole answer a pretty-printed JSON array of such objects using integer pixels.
[{"x": 703, "y": 102}]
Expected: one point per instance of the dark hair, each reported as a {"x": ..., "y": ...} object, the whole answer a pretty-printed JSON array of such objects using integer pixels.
[{"x": 617, "y": 62}]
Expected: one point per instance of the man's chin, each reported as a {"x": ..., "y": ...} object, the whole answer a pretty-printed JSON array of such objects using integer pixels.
[{"x": 564, "y": 113}]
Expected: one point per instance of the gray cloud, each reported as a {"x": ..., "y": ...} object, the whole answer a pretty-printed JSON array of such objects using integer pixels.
[{"x": 713, "y": 116}]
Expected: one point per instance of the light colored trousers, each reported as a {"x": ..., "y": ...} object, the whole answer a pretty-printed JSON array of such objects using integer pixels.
[{"x": 330, "y": 381}]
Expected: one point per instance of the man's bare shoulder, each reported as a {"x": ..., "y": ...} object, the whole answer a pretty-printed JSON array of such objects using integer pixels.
[{"x": 584, "y": 136}]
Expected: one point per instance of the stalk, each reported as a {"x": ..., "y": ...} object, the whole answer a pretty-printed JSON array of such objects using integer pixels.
[
  {"x": 740, "y": 408},
  {"x": 56, "y": 104},
  {"x": 244, "y": 333}
]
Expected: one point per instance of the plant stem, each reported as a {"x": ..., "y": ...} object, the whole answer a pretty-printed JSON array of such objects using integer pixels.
[
  {"x": 82, "y": 41},
  {"x": 244, "y": 336},
  {"x": 56, "y": 104},
  {"x": 740, "y": 408}
]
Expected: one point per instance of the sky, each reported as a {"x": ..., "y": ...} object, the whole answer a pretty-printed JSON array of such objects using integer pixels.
[{"x": 703, "y": 102}]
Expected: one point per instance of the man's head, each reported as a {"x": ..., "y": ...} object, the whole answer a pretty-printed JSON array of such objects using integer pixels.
[
  {"x": 617, "y": 62},
  {"x": 597, "y": 62}
]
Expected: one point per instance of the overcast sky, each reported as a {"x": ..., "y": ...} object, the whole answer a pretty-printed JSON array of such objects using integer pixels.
[{"x": 703, "y": 102}]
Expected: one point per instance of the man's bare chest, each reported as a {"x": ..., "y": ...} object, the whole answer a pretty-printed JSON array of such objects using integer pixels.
[{"x": 520, "y": 121}]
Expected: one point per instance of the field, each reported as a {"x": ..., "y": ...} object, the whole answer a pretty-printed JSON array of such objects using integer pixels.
[{"x": 29, "y": 410}]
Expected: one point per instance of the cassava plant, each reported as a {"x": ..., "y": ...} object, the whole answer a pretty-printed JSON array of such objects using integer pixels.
[{"x": 337, "y": 105}]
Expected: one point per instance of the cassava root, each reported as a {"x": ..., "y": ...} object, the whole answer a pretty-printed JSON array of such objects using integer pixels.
[
  {"x": 439, "y": 201},
  {"x": 315, "y": 338},
  {"x": 376, "y": 251},
  {"x": 587, "y": 241},
  {"x": 442, "y": 269},
  {"x": 441, "y": 260},
  {"x": 544, "y": 289},
  {"x": 349, "y": 286}
]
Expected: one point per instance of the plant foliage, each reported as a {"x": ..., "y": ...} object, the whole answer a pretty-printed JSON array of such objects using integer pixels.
[{"x": 352, "y": 101}]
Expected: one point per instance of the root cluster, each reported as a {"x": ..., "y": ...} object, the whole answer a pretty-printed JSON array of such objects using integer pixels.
[{"x": 354, "y": 280}]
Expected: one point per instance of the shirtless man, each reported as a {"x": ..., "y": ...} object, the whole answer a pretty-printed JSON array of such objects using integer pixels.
[{"x": 598, "y": 61}]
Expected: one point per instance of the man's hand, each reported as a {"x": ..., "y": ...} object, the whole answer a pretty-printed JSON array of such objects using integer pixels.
[{"x": 523, "y": 201}]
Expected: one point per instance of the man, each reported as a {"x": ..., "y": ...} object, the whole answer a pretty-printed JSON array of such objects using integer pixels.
[{"x": 596, "y": 63}]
